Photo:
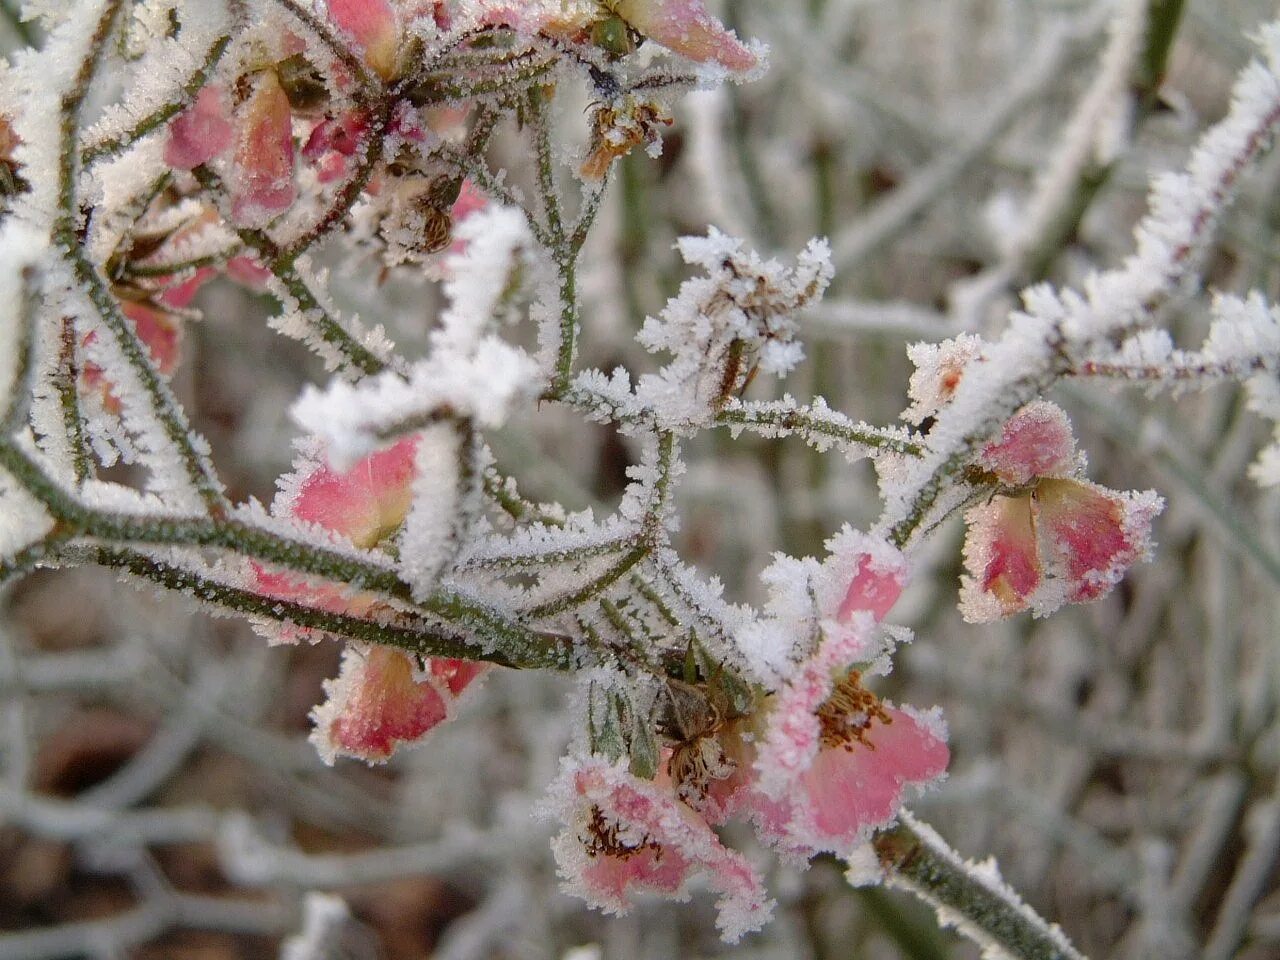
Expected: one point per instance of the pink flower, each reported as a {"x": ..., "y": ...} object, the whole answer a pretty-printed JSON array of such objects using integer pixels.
[
  {"x": 382, "y": 697},
  {"x": 372, "y": 27},
  {"x": 685, "y": 27},
  {"x": 377, "y": 703},
  {"x": 827, "y": 761},
  {"x": 365, "y": 504},
  {"x": 334, "y": 141},
  {"x": 1063, "y": 540},
  {"x": 624, "y": 836},
  {"x": 199, "y": 133},
  {"x": 262, "y": 184}
]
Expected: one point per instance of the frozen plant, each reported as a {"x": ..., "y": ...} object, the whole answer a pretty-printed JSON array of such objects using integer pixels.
[{"x": 264, "y": 142}]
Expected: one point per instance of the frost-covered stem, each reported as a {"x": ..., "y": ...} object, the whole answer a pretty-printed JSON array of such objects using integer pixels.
[
  {"x": 346, "y": 197},
  {"x": 562, "y": 248},
  {"x": 162, "y": 114},
  {"x": 199, "y": 470},
  {"x": 917, "y": 860},
  {"x": 356, "y": 356},
  {"x": 30, "y": 557},
  {"x": 411, "y": 633},
  {"x": 1176, "y": 369},
  {"x": 512, "y": 644},
  {"x": 587, "y": 215},
  {"x": 19, "y": 400},
  {"x": 591, "y": 588},
  {"x": 802, "y": 422},
  {"x": 65, "y": 382}
]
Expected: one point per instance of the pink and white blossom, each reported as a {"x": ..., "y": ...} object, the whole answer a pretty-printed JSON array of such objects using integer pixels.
[
  {"x": 626, "y": 836},
  {"x": 1052, "y": 538}
]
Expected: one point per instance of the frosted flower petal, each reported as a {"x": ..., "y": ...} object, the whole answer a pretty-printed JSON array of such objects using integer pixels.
[
  {"x": 371, "y": 25},
  {"x": 374, "y": 705},
  {"x": 624, "y": 836},
  {"x": 262, "y": 182},
  {"x": 1093, "y": 534},
  {"x": 1035, "y": 442},
  {"x": 1002, "y": 558},
  {"x": 686, "y": 27},
  {"x": 199, "y": 133},
  {"x": 364, "y": 503}
]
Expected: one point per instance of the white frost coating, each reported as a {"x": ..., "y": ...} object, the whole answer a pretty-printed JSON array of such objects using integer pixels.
[
  {"x": 469, "y": 373},
  {"x": 863, "y": 867},
  {"x": 431, "y": 533},
  {"x": 1245, "y": 335},
  {"x": 160, "y": 76},
  {"x": 38, "y": 81},
  {"x": 495, "y": 239},
  {"x": 743, "y": 304},
  {"x": 1183, "y": 209},
  {"x": 323, "y": 917},
  {"x": 20, "y": 248},
  {"x": 23, "y": 520},
  {"x": 804, "y": 598},
  {"x": 986, "y": 875},
  {"x": 116, "y": 186}
]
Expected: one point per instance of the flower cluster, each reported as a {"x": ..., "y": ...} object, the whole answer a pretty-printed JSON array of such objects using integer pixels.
[{"x": 343, "y": 138}]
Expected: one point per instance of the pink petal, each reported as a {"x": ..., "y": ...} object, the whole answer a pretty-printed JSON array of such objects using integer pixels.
[
  {"x": 181, "y": 294},
  {"x": 455, "y": 675},
  {"x": 1035, "y": 442},
  {"x": 850, "y": 791},
  {"x": 685, "y": 27},
  {"x": 199, "y": 133},
  {"x": 875, "y": 587},
  {"x": 158, "y": 329},
  {"x": 365, "y": 503},
  {"x": 248, "y": 272},
  {"x": 1095, "y": 534},
  {"x": 792, "y": 738},
  {"x": 1002, "y": 558},
  {"x": 375, "y": 705},
  {"x": 371, "y": 25},
  {"x": 262, "y": 182},
  {"x": 625, "y": 835}
]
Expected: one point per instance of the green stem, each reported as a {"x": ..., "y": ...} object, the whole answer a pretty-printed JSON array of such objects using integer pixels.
[
  {"x": 916, "y": 859},
  {"x": 164, "y": 113}
]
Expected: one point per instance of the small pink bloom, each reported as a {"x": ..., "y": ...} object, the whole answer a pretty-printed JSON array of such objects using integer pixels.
[
  {"x": 876, "y": 585},
  {"x": 685, "y": 27},
  {"x": 380, "y": 699},
  {"x": 375, "y": 704},
  {"x": 366, "y": 503},
  {"x": 833, "y": 762},
  {"x": 1064, "y": 540},
  {"x": 334, "y": 141},
  {"x": 262, "y": 184},
  {"x": 199, "y": 133},
  {"x": 624, "y": 836},
  {"x": 1035, "y": 442},
  {"x": 372, "y": 27}
]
